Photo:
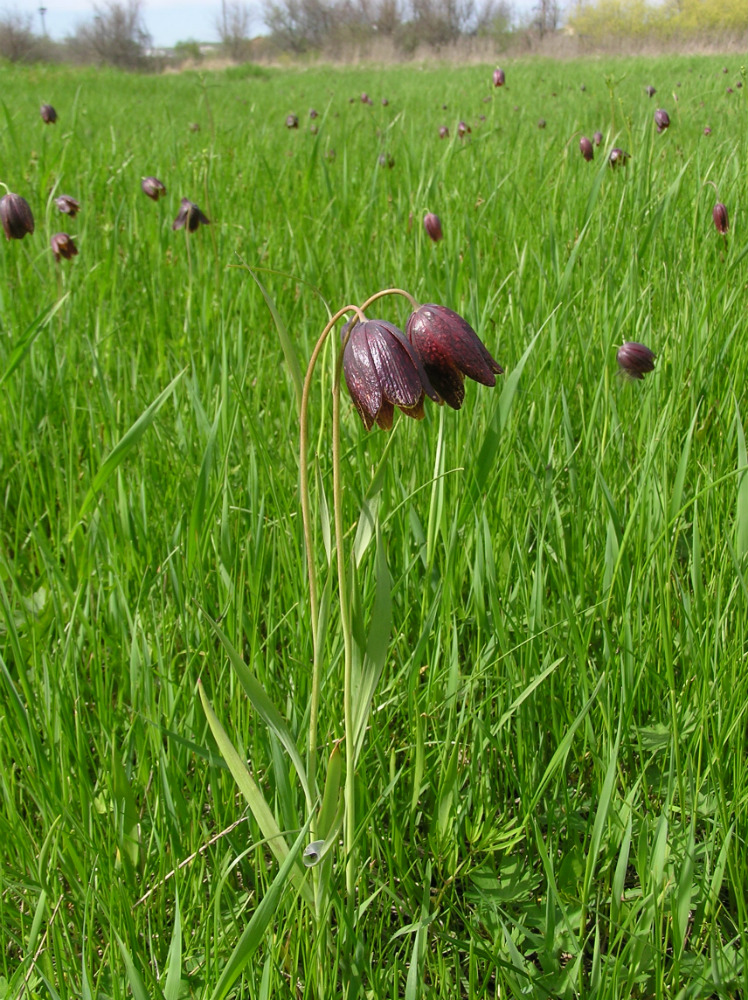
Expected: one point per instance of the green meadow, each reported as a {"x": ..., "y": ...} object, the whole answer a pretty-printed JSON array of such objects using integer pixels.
[{"x": 546, "y": 592}]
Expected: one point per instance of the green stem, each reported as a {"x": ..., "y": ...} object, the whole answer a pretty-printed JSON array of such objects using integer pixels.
[{"x": 306, "y": 517}]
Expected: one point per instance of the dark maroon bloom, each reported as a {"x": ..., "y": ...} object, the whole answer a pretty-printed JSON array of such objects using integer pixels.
[
  {"x": 598, "y": 137},
  {"x": 729, "y": 91},
  {"x": 15, "y": 216},
  {"x": 385, "y": 102},
  {"x": 153, "y": 187},
  {"x": 585, "y": 147},
  {"x": 650, "y": 91},
  {"x": 68, "y": 205},
  {"x": 365, "y": 99},
  {"x": 739, "y": 84},
  {"x": 662, "y": 119},
  {"x": 189, "y": 215},
  {"x": 462, "y": 129},
  {"x": 618, "y": 158},
  {"x": 443, "y": 132},
  {"x": 719, "y": 214},
  {"x": 63, "y": 246},
  {"x": 292, "y": 121},
  {"x": 707, "y": 130},
  {"x": 313, "y": 113},
  {"x": 541, "y": 122},
  {"x": 499, "y": 78},
  {"x": 382, "y": 371},
  {"x": 635, "y": 360},
  {"x": 386, "y": 160},
  {"x": 48, "y": 113},
  {"x": 724, "y": 69},
  {"x": 432, "y": 225},
  {"x": 450, "y": 349}
]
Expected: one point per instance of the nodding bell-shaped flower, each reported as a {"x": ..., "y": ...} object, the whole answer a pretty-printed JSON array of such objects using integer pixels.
[
  {"x": 15, "y": 216},
  {"x": 463, "y": 129},
  {"x": 617, "y": 158},
  {"x": 650, "y": 91},
  {"x": 189, "y": 215},
  {"x": 68, "y": 205},
  {"x": 598, "y": 137},
  {"x": 721, "y": 221},
  {"x": 443, "y": 132},
  {"x": 634, "y": 359},
  {"x": 63, "y": 246},
  {"x": 432, "y": 225},
  {"x": 153, "y": 187},
  {"x": 662, "y": 119},
  {"x": 292, "y": 121},
  {"x": 382, "y": 371},
  {"x": 585, "y": 147},
  {"x": 48, "y": 113},
  {"x": 450, "y": 349},
  {"x": 499, "y": 78}
]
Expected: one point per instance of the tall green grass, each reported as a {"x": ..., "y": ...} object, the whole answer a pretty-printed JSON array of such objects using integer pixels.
[{"x": 552, "y": 798}]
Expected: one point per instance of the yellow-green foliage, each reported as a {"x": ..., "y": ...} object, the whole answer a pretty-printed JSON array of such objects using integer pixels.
[{"x": 637, "y": 18}]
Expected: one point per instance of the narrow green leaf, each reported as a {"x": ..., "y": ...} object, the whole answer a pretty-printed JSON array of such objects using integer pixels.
[
  {"x": 263, "y": 705},
  {"x": 137, "y": 986},
  {"x": 741, "y": 514},
  {"x": 173, "y": 985},
  {"x": 197, "y": 514},
  {"x": 676, "y": 498},
  {"x": 126, "y": 444},
  {"x": 255, "y": 930},
  {"x": 22, "y": 347}
]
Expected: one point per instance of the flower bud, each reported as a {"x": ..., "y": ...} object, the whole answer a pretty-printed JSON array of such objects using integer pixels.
[
  {"x": 719, "y": 214},
  {"x": 15, "y": 216},
  {"x": 635, "y": 360},
  {"x": 292, "y": 121},
  {"x": 443, "y": 132},
  {"x": 662, "y": 119},
  {"x": 432, "y": 225},
  {"x": 67, "y": 205},
  {"x": 499, "y": 79},
  {"x": 153, "y": 187},
  {"x": 585, "y": 147},
  {"x": 707, "y": 130},
  {"x": 48, "y": 113},
  {"x": 63, "y": 246}
]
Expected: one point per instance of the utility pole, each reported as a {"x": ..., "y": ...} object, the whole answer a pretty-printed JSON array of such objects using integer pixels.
[{"x": 42, "y": 12}]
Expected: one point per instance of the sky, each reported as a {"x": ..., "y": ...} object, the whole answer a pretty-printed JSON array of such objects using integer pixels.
[{"x": 168, "y": 21}]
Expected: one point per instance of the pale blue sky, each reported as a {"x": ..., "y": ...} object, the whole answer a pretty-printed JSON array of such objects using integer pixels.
[{"x": 168, "y": 21}]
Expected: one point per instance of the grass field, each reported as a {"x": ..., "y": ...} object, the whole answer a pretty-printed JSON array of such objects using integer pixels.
[{"x": 551, "y": 796}]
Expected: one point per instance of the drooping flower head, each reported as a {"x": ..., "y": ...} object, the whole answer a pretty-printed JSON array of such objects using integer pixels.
[
  {"x": 433, "y": 226},
  {"x": 189, "y": 215},
  {"x": 635, "y": 360},
  {"x": 15, "y": 216},
  {"x": 68, "y": 205},
  {"x": 499, "y": 77},
  {"x": 153, "y": 187},
  {"x": 450, "y": 349},
  {"x": 618, "y": 158},
  {"x": 661, "y": 119},
  {"x": 382, "y": 371},
  {"x": 48, "y": 113},
  {"x": 63, "y": 246},
  {"x": 721, "y": 221},
  {"x": 585, "y": 147}
]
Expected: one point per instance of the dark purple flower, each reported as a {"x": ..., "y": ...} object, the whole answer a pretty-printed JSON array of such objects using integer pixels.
[
  {"x": 450, "y": 349},
  {"x": 68, "y": 205},
  {"x": 635, "y": 360},
  {"x": 707, "y": 130},
  {"x": 443, "y": 132},
  {"x": 541, "y": 122},
  {"x": 153, "y": 187},
  {"x": 385, "y": 102},
  {"x": 650, "y": 91},
  {"x": 365, "y": 99},
  {"x": 63, "y": 246},
  {"x": 462, "y": 129},
  {"x": 292, "y": 121},
  {"x": 585, "y": 147},
  {"x": 313, "y": 113},
  {"x": 739, "y": 84},
  {"x": 499, "y": 78},
  {"x": 189, "y": 215},
  {"x": 618, "y": 157},
  {"x": 662, "y": 119},
  {"x": 432, "y": 225},
  {"x": 382, "y": 371},
  {"x": 598, "y": 137},
  {"x": 719, "y": 214},
  {"x": 729, "y": 91},
  {"x": 15, "y": 216},
  {"x": 48, "y": 113}
]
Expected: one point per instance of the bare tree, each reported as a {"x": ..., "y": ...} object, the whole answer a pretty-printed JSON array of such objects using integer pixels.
[
  {"x": 546, "y": 17},
  {"x": 117, "y": 35},
  {"x": 299, "y": 25},
  {"x": 18, "y": 42},
  {"x": 232, "y": 25}
]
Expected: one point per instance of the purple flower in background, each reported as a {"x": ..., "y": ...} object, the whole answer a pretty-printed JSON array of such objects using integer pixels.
[
  {"x": 189, "y": 215},
  {"x": 15, "y": 216},
  {"x": 635, "y": 360}
]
